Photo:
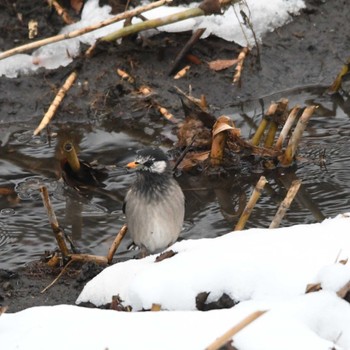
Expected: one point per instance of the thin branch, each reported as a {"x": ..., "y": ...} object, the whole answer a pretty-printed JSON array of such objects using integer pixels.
[
  {"x": 113, "y": 248},
  {"x": 59, "y": 235},
  {"x": 153, "y": 23},
  {"x": 219, "y": 342},
  {"x": 194, "y": 38},
  {"x": 57, "y": 278},
  {"x": 62, "y": 12},
  {"x": 75, "y": 33}
]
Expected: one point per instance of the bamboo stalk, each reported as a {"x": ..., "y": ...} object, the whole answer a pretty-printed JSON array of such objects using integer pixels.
[
  {"x": 276, "y": 110},
  {"x": 259, "y": 132},
  {"x": 251, "y": 203},
  {"x": 293, "y": 190},
  {"x": 56, "y": 102},
  {"x": 263, "y": 124},
  {"x": 287, "y": 126},
  {"x": 221, "y": 341},
  {"x": 113, "y": 248},
  {"x": 287, "y": 158},
  {"x": 78, "y": 32},
  {"x": 270, "y": 137},
  {"x": 54, "y": 223},
  {"x": 71, "y": 155}
]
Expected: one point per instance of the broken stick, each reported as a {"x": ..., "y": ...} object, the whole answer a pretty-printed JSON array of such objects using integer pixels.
[
  {"x": 293, "y": 190},
  {"x": 251, "y": 203},
  {"x": 56, "y": 102},
  {"x": 221, "y": 341},
  {"x": 113, "y": 248}
]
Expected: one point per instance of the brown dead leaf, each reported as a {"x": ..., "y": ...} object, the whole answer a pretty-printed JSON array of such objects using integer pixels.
[
  {"x": 192, "y": 159},
  {"x": 222, "y": 64}
]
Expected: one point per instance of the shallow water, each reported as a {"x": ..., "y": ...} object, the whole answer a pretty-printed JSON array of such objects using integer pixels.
[{"x": 27, "y": 162}]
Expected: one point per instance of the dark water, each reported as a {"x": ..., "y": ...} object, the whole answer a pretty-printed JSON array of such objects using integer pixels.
[{"x": 27, "y": 162}]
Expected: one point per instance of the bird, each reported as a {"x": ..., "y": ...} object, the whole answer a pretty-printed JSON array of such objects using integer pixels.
[{"x": 154, "y": 205}]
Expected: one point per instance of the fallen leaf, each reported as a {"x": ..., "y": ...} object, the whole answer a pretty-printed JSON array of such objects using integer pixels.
[{"x": 222, "y": 64}]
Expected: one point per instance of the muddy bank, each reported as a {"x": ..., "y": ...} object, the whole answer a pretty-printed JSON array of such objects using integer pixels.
[{"x": 308, "y": 51}]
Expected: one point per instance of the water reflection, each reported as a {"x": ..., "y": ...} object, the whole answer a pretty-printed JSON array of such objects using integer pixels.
[{"x": 213, "y": 206}]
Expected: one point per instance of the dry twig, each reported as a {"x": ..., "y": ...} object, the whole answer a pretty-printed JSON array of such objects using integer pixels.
[
  {"x": 57, "y": 278},
  {"x": 251, "y": 203},
  {"x": 219, "y": 342},
  {"x": 239, "y": 67},
  {"x": 116, "y": 243},
  {"x": 56, "y": 102},
  {"x": 59, "y": 235},
  {"x": 75, "y": 33},
  {"x": 62, "y": 12},
  {"x": 293, "y": 190},
  {"x": 194, "y": 38}
]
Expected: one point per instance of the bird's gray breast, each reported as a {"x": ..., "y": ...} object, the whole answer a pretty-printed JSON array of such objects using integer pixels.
[{"x": 155, "y": 215}]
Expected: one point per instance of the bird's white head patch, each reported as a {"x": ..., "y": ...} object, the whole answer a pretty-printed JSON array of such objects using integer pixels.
[{"x": 152, "y": 165}]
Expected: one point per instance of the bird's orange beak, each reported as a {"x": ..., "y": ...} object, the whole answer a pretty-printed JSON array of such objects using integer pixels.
[{"x": 132, "y": 165}]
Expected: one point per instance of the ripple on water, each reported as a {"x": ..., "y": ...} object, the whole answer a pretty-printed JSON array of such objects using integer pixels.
[{"x": 29, "y": 188}]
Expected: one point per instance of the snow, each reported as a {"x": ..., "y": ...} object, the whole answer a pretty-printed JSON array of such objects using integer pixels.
[
  {"x": 262, "y": 269},
  {"x": 265, "y": 17},
  {"x": 261, "y": 263}
]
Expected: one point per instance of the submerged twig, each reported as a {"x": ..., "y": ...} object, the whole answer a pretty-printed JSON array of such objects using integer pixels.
[
  {"x": 56, "y": 102},
  {"x": 251, "y": 203},
  {"x": 293, "y": 190},
  {"x": 221, "y": 341},
  {"x": 75, "y": 33}
]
